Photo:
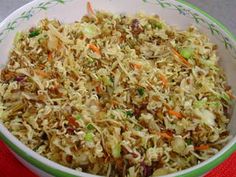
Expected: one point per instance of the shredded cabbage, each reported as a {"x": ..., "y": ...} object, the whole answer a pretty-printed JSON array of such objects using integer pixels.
[
  {"x": 116, "y": 95},
  {"x": 90, "y": 30}
]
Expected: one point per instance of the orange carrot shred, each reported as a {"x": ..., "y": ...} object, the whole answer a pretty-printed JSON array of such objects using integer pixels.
[
  {"x": 164, "y": 80},
  {"x": 99, "y": 89},
  {"x": 90, "y": 9},
  {"x": 165, "y": 135},
  {"x": 41, "y": 73},
  {"x": 95, "y": 49},
  {"x": 122, "y": 38},
  {"x": 137, "y": 66},
  {"x": 174, "y": 113},
  {"x": 9, "y": 75},
  {"x": 72, "y": 121},
  {"x": 182, "y": 59},
  {"x": 50, "y": 56},
  {"x": 202, "y": 147}
]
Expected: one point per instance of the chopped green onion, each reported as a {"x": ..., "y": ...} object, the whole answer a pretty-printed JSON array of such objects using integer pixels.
[
  {"x": 90, "y": 30},
  {"x": 111, "y": 79},
  {"x": 34, "y": 33},
  {"x": 199, "y": 104},
  {"x": 215, "y": 104},
  {"x": 129, "y": 113},
  {"x": 138, "y": 128},
  {"x": 113, "y": 116},
  {"x": 157, "y": 25},
  {"x": 141, "y": 91},
  {"x": 90, "y": 127},
  {"x": 186, "y": 52},
  {"x": 106, "y": 80},
  {"x": 78, "y": 117},
  {"x": 116, "y": 151},
  {"x": 189, "y": 141},
  {"x": 88, "y": 137}
]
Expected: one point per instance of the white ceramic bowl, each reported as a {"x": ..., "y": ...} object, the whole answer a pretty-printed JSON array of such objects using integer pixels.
[{"x": 177, "y": 13}]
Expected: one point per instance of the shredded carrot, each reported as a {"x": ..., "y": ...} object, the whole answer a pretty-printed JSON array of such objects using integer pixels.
[
  {"x": 95, "y": 49},
  {"x": 72, "y": 121},
  {"x": 174, "y": 113},
  {"x": 182, "y": 59},
  {"x": 231, "y": 95},
  {"x": 99, "y": 89},
  {"x": 10, "y": 75},
  {"x": 137, "y": 66},
  {"x": 90, "y": 9},
  {"x": 202, "y": 147},
  {"x": 41, "y": 73},
  {"x": 164, "y": 80},
  {"x": 122, "y": 38},
  {"x": 50, "y": 56},
  {"x": 165, "y": 135}
]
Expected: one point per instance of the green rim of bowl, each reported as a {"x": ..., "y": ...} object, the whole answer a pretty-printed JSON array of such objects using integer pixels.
[
  {"x": 56, "y": 172},
  {"x": 226, "y": 154},
  {"x": 217, "y": 22},
  {"x": 204, "y": 169},
  {"x": 195, "y": 172},
  {"x": 33, "y": 161}
]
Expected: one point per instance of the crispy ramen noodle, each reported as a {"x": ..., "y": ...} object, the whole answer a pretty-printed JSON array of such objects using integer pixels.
[{"x": 116, "y": 95}]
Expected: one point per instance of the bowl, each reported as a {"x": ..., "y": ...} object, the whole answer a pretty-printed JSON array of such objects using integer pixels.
[{"x": 176, "y": 13}]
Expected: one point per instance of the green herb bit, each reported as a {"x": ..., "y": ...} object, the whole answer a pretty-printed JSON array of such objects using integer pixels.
[
  {"x": 158, "y": 25},
  {"x": 88, "y": 137},
  {"x": 186, "y": 52},
  {"x": 34, "y": 33},
  {"x": 141, "y": 91},
  {"x": 78, "y": 117},
  {"x": 90, "y": 127},
  {"x": 189, "y": 141},
  {"x": 199, "y": 104},
  {"x": 215, "y": 104},
  {"x": 155, "y": 24},
  {"x": 138, "y": 128},
  {"x": 113, "y": 116},
  {"x": 106, "y": 80},
  {"x": 129, "y": 113},
  {"x": 111, "y": 79}
]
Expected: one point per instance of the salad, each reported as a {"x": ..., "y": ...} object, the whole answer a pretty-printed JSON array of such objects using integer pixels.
[{"x": 116, "y": 95}]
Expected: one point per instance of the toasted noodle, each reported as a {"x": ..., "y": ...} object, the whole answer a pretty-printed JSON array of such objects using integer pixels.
[{"x": 112, "y": 95}]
